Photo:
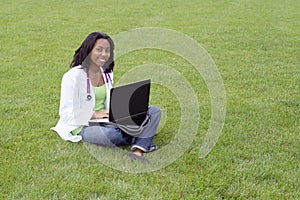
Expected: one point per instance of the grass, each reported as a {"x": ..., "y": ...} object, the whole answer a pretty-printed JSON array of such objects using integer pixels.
[{"x": 255, "y": 45}]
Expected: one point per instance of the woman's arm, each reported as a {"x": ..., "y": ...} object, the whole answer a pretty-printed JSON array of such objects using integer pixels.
[
  {"x": 74, "y": 109},
  {"x": 100, "y": 114}
]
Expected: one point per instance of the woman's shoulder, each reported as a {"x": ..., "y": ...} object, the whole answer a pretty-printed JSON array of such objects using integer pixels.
[{"x": 75, "y": 71}]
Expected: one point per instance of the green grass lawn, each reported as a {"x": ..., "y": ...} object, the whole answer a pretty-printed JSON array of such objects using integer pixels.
[{"x": 254, "y": 44}]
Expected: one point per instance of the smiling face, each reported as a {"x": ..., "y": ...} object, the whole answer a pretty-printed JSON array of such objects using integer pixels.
[{"x": 100, "y": 53}]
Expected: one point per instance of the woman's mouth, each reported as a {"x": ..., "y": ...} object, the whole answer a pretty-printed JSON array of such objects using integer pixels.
[{"x": 102, "y": 60}]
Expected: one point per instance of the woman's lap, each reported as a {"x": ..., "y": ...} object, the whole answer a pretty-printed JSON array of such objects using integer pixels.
[{"x": 110, "y": 136}]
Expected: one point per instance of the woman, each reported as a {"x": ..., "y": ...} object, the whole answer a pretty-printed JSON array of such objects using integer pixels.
[{"x": 85, "y": 95}]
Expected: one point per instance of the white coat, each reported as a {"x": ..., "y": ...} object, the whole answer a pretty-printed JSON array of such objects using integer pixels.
[{"x": 75, "y": 109}]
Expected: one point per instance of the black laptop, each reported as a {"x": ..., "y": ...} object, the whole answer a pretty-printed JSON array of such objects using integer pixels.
[{"x": 128, "y": 104}]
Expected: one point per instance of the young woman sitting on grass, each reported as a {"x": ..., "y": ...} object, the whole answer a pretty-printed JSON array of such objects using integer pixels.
[{"x": 92, "y": 68}]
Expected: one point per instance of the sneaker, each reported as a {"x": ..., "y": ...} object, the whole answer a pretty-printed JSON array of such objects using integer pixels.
[
  {"x": 133, "y": 156},
  {"x": 152, "y": 148}
]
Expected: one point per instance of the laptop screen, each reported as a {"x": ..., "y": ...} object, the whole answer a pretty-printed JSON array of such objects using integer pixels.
[{"x": 129, "y": 103}]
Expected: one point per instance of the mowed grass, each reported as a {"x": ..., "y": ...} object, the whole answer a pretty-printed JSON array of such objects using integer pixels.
[{"x": 255, "y": 45}]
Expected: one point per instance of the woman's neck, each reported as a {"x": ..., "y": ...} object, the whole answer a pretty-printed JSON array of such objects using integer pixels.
[{"x": 94, "y": 69}]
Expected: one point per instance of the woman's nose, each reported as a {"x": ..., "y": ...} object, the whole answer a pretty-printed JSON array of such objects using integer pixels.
[{"x": 103, "y": 53}]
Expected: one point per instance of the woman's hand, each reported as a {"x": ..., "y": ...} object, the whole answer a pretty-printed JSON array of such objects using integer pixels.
[{"x": 101, "y": 114}]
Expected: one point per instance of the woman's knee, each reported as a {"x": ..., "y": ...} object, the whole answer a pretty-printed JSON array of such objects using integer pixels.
[
  {"x": 154, "y": 110},
  {"x": 96, "y": 135}
]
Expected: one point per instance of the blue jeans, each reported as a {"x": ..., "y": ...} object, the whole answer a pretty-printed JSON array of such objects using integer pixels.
[{"x": 111, "y": 137}]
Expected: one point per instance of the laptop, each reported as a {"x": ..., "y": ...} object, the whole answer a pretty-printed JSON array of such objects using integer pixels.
[{"x": 128, "y": 104}]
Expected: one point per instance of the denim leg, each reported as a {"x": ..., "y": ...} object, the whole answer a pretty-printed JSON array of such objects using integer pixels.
[
  {"x": 105, "y": 136},
  {"x": 144, "y": 140}
]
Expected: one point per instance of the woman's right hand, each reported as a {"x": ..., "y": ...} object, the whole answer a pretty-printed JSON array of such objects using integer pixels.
[{"x": 100, "y": 114}]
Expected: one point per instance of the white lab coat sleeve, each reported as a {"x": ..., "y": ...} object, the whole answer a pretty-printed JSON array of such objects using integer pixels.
[{"x": 75, "y": 109}]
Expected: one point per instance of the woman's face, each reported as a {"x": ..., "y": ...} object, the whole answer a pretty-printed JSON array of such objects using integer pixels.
[{"x": 100, "y": 53}]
